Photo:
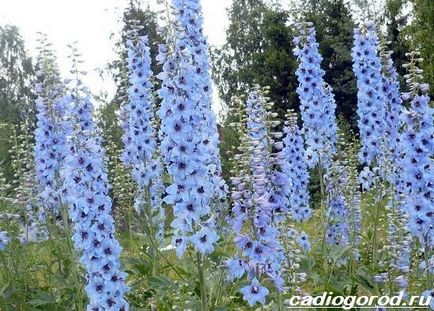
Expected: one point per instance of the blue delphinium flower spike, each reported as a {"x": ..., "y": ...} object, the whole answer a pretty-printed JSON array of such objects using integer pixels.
[
  {"x": 316, "y": 99},
  {"x": 295, "y": 168},
  {"x": 141, "y": 152},
  {"x": 371, "y": 107},
  {"x": 86, "y": 181},
  {"x": 50, "y": 133},
  {"x": 185, "y": 145}
]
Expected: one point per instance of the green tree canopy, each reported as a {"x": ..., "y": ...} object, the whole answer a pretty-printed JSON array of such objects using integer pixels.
[{"x": 258, "y": 50}]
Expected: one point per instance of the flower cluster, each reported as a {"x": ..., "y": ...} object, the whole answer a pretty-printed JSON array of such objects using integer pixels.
[
  {"x": 316, "y": 99},
  {"x": 416, "y": 163},
  {"x": 184, "y": 152},
  {"x": 140, "y": 141},
  {"x": 351, "y": 190},
  {"x": 417, "y": 157},
  {"x": 139, "y": 135},
  {"x": 371, "y": 101},
  {"x": 23, "y": 165},
  {"x": 50, "y": 132},
  {"x": 86, "y": 181},
  {"x": 260, "y": 202},
  {"x": 295, "y": 169},
  {"x": 392, "y": 94},
  {"x": 337, "y": 232},
  {"x": 4, "y": 240},
  {"x": 190, "y": 22}
]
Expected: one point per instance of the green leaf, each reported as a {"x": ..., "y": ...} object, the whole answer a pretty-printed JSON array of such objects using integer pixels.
[
  {"x": 43, "y": 299},
  {"x": 161, "y": 282}
]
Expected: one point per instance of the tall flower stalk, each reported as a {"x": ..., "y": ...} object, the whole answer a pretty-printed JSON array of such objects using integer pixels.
[
  {"x": 372, "y": 112},
  {"x": 189, "y": 19},
  {"x": 371, "y": 107},
  {"x": 295, "y": 168},
  {"x": 86, "y": 193},
  {"x": 182, "y": 144},
  {"x": 50, "y": 132},
  {"x": 317, "y": 103},
  {"x": 141, "y": 152},
  {"x": 259, "y": 203},
  {"x": 397, "y": 249},
  {"x": 417, "y": 163},
  {"x": 189, "y": 139}
]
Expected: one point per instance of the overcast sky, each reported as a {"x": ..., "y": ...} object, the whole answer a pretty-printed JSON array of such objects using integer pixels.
[{"x": 89, "y": 22}]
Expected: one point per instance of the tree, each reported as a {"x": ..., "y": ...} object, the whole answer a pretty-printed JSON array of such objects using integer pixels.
[
  {"x": 258, "y": 50},
  {"x": 396, "y": 20},
  {"x": 17, "y": 78},
  {"x": 420, "y": 33}
]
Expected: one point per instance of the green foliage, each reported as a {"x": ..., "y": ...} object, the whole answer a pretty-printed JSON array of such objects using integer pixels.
[
  {"x": 16, "y": 82},
  {"x": 421, "y": 35},
  {"x": 258, "y": 50},
  {"x": 396, "y": 20}
]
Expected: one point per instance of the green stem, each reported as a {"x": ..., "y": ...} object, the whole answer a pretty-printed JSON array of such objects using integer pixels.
[
  {"x": 203, "y": 298},
  {"x": 74, "y": 270},
  {"x": 374, "y": 237},
  {"x": 322, "y": 205},
  {"x": 164, "y": 257}
]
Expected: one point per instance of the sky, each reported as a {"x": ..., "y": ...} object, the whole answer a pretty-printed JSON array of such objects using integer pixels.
[{"x": 90, "y": 22}]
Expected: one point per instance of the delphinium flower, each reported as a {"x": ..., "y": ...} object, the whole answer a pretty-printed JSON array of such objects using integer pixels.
[
  {"x": 337, "y": 232},
  {"x": 50, "y": 134},
  {"x": 371, "y": 108},
  {"x": 140, "y": 141},
  {"x": 417, "y": 161},
  {"x": 184, "y": 146},
  {"x": 397, "y": 248},
  {"x": 5, "y": 188},
  {"x": 351, "y": 189},
  {"x": 429, "y": 294},
  {"x": 4, "y": 240},
  {"x": 392, "y": 94},
  {"x": 316, "y": 98},
  {"x": 295, "y": 168},
  {"x": 123, "y": 186},
  {"x": 259, "y": 203},
  {"x": 372, "y": 119},
  {"x": 23, "y": 165},
  {"x": 87, "y": 195},
  {"x": 189, "y": 18}
]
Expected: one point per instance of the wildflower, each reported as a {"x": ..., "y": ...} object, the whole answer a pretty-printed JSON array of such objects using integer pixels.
[
  {"x": 254, "y": 293},
  {"x": 260, "y": 201},
  {"x": 86, "y": 181},
  {"x": 371, "y": 101},
  {"x": 183, "y": 90},
  {"x": 50, "y": 132},
  {"x": 295, "y": 169},
  {"x": 416, "y": 159},
  {"x": 4, "y": 240},
  {"x": 188, "y": 14},
  {"x": 316, "y": 98},
  {"x": 235, "y": 268},
  {"x": 140, "y": 152}
]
